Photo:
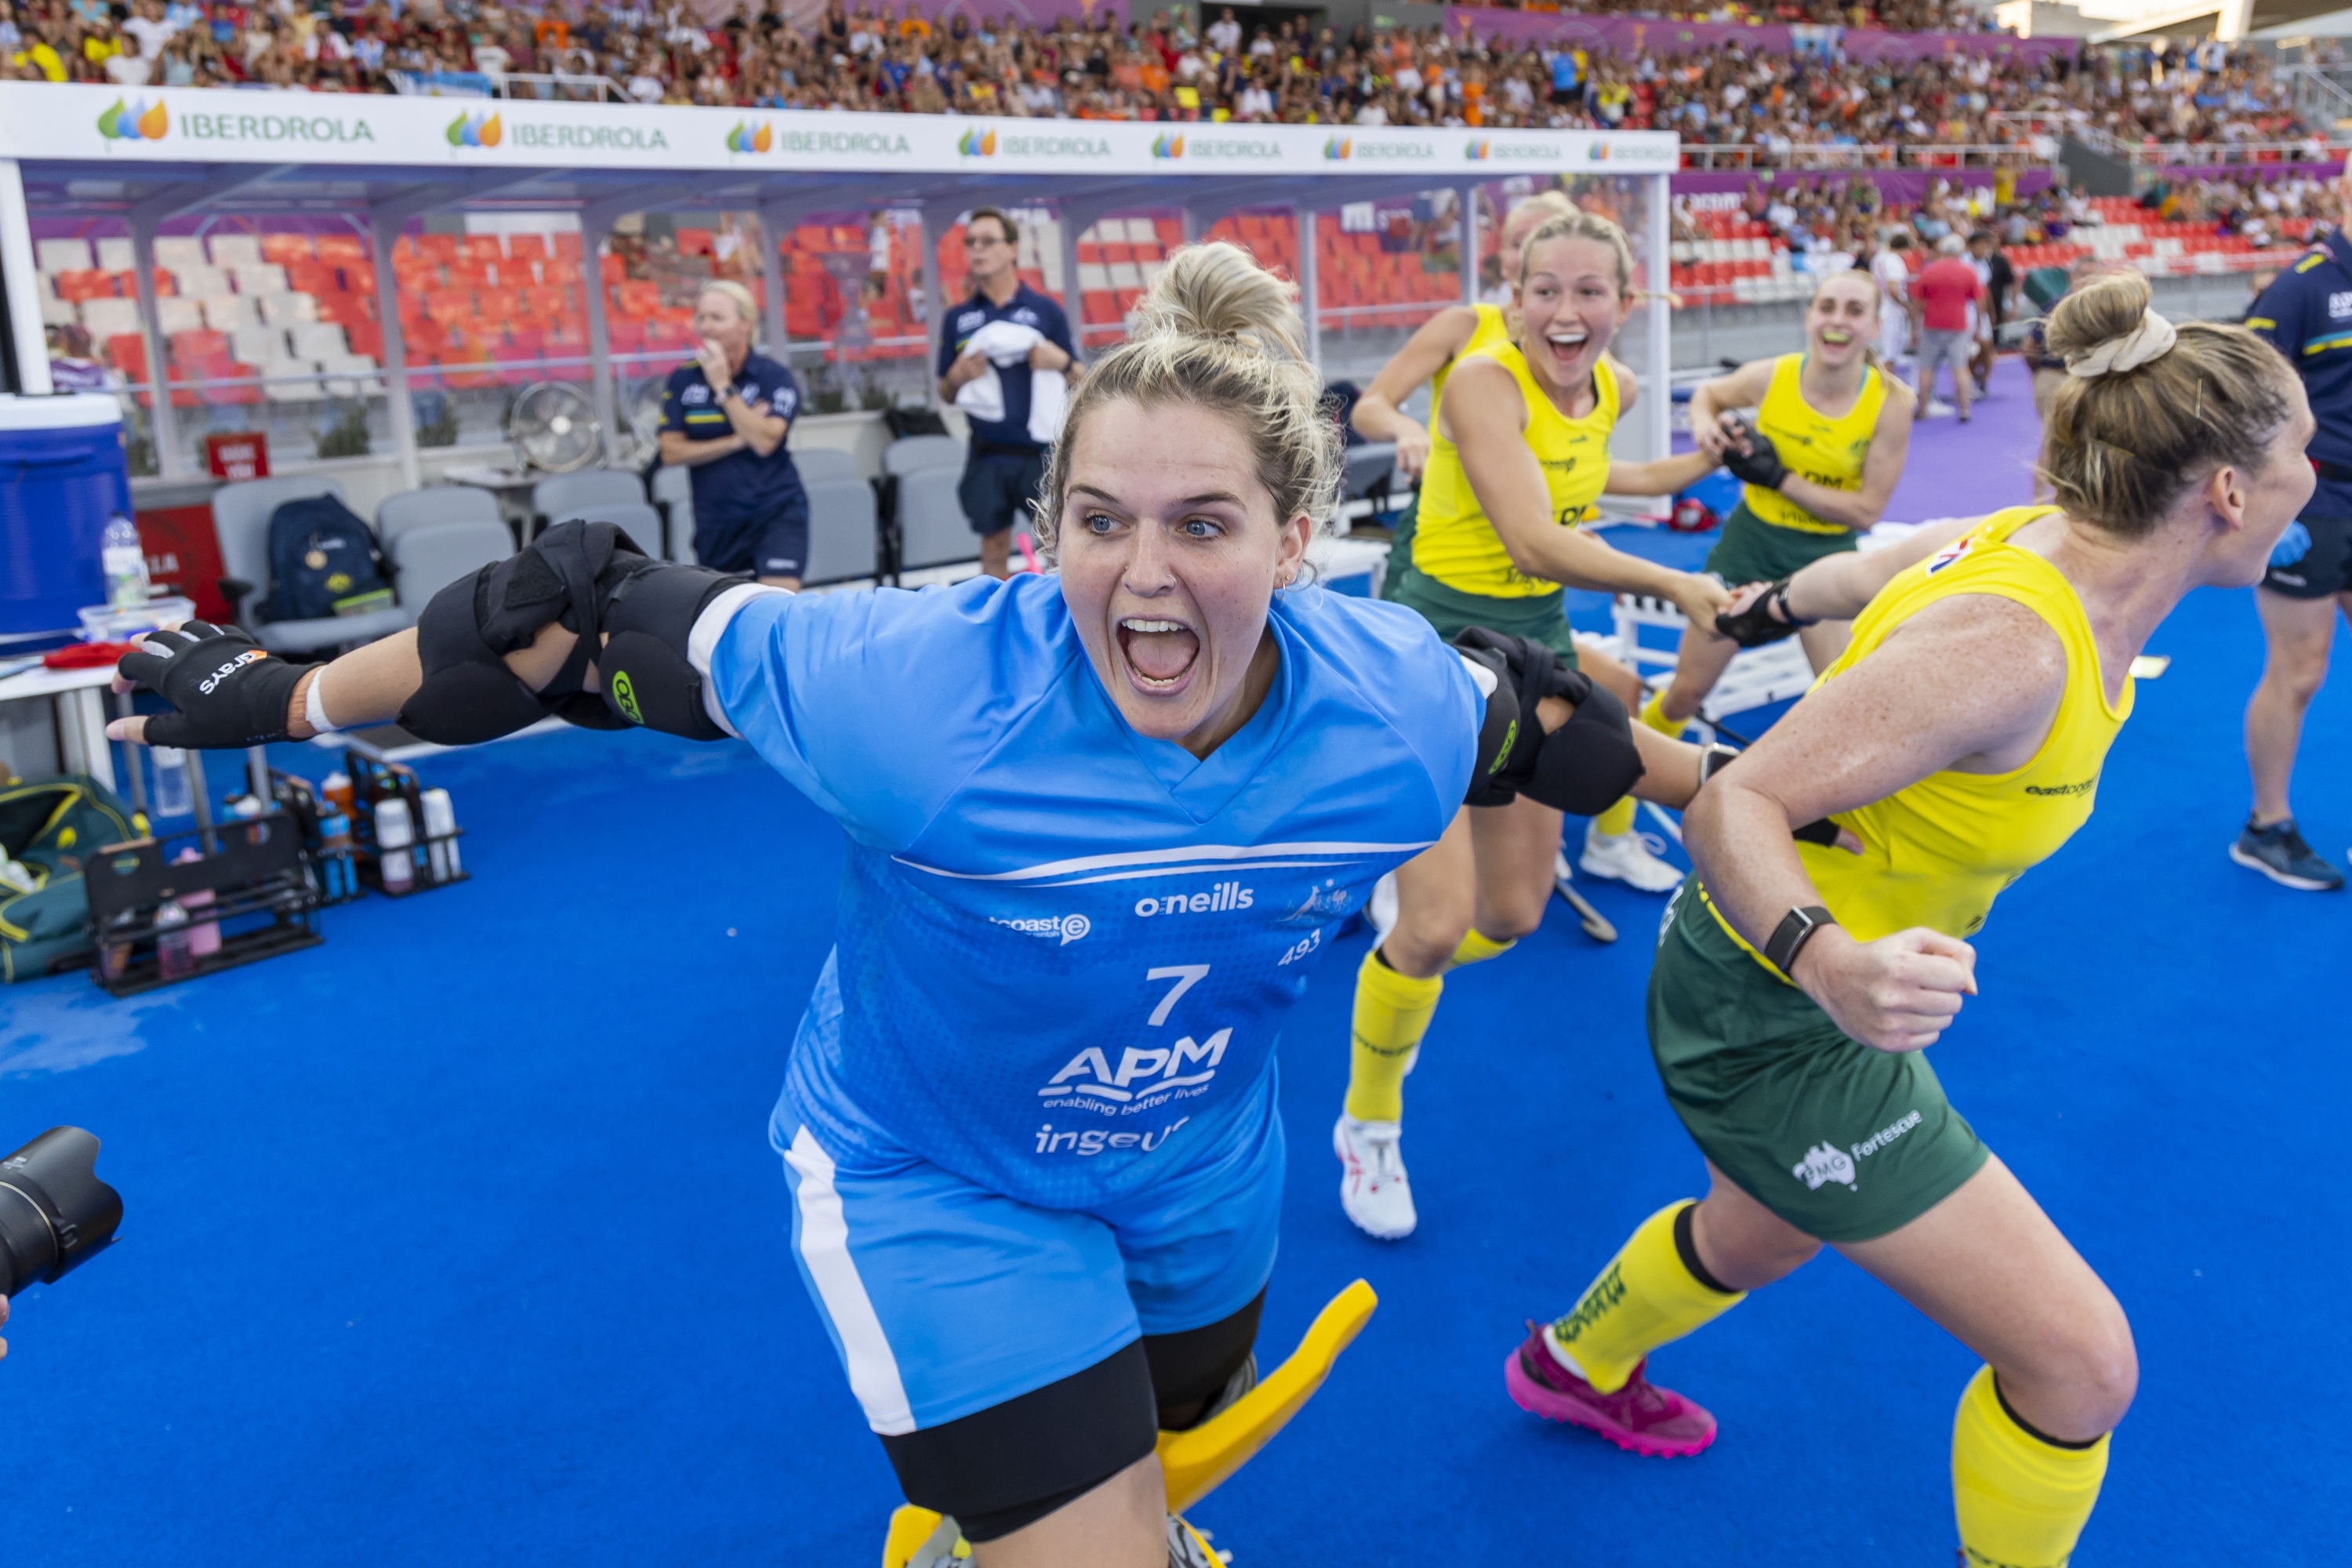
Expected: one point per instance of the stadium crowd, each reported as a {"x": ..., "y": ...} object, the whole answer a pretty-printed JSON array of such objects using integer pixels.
[{"x": 1155, "y": 69}]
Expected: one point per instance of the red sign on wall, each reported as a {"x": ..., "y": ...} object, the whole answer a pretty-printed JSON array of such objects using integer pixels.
[
  {"x": 242, "y": 455},
  {"x": 183, "y": 556}
]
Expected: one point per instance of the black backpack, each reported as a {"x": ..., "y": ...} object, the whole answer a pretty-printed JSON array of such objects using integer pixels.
[{"x": 323, "y": 562}]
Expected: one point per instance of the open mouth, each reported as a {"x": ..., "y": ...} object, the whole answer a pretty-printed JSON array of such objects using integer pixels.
[
  {"x": 1835, "y": 337},
  {"x": 1159, "y": 654},
  {"x": 1567, "y": 343}
]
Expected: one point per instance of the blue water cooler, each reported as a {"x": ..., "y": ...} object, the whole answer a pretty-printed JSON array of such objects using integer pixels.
[{"x": 62, "y": 477}]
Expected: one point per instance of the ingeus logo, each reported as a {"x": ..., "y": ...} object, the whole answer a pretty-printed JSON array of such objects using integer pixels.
[
  {"x": 475, "y": 130},
  {"x": 752, "y": 139},
  {"x": 1218, "y": 900},
  {"x": 976, "y": 142},
  {"x": 137, "y": 122},
  {"x": 1067, "y": 928},
  {"x": 1166, "y": 146}
]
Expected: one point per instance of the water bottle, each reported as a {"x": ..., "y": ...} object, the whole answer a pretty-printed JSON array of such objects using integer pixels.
[
  {"x": 204, "y": 935},
  {"x": 173, "y": 961},
  {"x": 440, "y": 820},
  {"x": 395, "y": 838},
  {"x": 334, "y": 856},
  {"x": 124, "y": 562},
  {"x": 172, "y": 796}
]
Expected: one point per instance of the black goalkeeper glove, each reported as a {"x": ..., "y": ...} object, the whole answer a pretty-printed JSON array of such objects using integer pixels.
[
  {"x": 1757, "y": 624},
  {"x": 1751, "y": 456},
  {"x": 230, "y": 691}
]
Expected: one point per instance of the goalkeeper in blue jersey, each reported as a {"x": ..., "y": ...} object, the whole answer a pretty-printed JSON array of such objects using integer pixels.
[{"x": 1102, "y": 824}]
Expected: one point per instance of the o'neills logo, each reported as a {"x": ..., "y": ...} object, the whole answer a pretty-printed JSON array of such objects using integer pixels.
[
  {"x": 280, "y": 127},
  {"x": 1244, "y": 148},
  {"x": 1390, "y": 151},
  {"x": 874, "y": 144},
  {"x": 590, "y": 137}
]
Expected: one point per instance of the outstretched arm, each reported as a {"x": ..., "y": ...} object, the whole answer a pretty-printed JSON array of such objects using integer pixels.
[
  {"x": 491, "y": 654},
  {"x": 1378, "y": 414}
]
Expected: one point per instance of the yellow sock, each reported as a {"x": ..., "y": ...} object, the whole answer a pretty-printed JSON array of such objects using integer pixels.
[
  {"x": 1617, "y": 818},
  {"x": 1647, "y": 1297},
  {"x": 2021, "y": 1501},
  {"x": 1477, "y": 949},
  {"x": 1653, "y": 714},
  {"x": 1392, "y": 1013}
]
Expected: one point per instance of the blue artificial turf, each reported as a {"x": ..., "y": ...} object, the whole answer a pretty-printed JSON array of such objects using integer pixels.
[{"x": 457, "y": 1240}]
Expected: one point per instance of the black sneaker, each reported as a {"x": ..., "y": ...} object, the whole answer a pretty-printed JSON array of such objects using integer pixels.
[{"x": 2279, "y": 853}]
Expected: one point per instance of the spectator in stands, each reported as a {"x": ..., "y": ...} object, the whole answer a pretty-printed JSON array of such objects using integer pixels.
[
  {"x": 724, "y": 419},
  {"x": 71, "y": 366},
  {"x": 1941, "y": 300},
  {"x": 1004, "y": 460}
]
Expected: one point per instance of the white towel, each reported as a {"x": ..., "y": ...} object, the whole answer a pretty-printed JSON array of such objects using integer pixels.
[{"x": 982, "y": 397}]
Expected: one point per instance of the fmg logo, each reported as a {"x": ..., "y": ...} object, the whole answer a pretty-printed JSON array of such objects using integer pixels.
[
  {"x": 976, "y": 142},
  {"x": 137, "y": 122},
  {"x": 750, "y": 139},
  {"x": 475, "y": 130},
  {"x": 1338, "y": 148},
  {"x": 1165, "y": 146}
]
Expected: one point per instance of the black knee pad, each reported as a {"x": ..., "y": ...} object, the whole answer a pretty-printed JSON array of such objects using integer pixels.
[{"x": 1588, "y": 763}]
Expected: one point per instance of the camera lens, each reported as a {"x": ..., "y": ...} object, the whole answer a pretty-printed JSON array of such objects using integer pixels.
[{"x": 54, "y": 1211}]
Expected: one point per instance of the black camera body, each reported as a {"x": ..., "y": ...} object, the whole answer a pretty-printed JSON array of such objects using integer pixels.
[{"x": 54, "y": 1211}]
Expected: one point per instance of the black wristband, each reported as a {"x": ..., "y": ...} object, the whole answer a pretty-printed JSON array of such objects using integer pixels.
[{"x": 1796, "y": 928}]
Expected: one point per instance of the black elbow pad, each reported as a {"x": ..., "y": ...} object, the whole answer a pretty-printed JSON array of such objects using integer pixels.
[
  {"x": 1585, "y": 766},
  {"x": 643, "y": 673}
]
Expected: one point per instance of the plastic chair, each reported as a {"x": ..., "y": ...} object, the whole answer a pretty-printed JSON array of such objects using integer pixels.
[
  {"x": 910, "y": 453},
  {"x": 560, "y": 497},
  {"x": 841, "y": 543},
  {"x": 432, "y": 556},
  {"x": 673, "y": 491},
  {"x": 825, "y": 465},
  {"x": 933, "y": 529},
  {"x": 432, "y": 507},
  {"x": 636, "y": 519},
  {"x": 1366, "y": 468},
  {"x": 241, "y": 524}
]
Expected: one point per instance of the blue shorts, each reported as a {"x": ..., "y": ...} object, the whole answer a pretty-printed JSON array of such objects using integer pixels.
[
  {"x": 943, "y": 1299},
  {"x": 997, "y": 487},
  {"x": 774, "y": 545}
]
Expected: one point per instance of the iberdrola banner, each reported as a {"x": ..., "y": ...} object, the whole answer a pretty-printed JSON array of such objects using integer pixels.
[{"x": 91, "y": 124}]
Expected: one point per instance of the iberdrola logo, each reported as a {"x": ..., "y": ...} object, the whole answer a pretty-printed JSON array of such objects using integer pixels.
[
  {"x": 750, "y": 139},
  {"x": 1166, "y": 147},
  {"x": 478, "y": 130},
  {"x": 1479, "y": 152},
  {"x": 137, "y": 122},
  {"x": 1338, "y": 148},
  {"x": 976, "y": 142},
  {"x": 1600, "y": 154}
]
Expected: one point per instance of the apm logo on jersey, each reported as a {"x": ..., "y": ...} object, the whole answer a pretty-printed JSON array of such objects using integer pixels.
[{"x": 1147, "y": 1077}]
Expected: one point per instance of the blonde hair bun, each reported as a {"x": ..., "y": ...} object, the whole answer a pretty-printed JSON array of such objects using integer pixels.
[
  {"x": 1221, "y": 332},
  {"x": 1215, "y": 290},
  {"x": 2102, "y": 318}
]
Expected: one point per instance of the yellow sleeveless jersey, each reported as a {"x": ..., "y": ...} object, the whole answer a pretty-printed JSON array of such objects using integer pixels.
[
  {"x": 1454, "y": 542},
  {"x": 1937, "y": 853},
  {"x": 1490, "y": 331},
  {"x": 1829, "y": 452}
]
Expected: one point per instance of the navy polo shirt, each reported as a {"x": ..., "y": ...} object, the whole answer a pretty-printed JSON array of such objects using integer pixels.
[
  {"x": 2306, "y": 314},
  {"x": 742, "y": 486},
  {"x": 1027, "y": 308}
]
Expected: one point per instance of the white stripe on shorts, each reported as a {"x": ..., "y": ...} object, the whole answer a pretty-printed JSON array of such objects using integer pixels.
[{"x": 824, "y": 1247}]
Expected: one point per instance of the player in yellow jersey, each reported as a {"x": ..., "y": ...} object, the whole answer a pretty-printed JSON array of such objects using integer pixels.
[
  {"x": 1429, "y": 353},
  {"x": 1956, "y": 744},
  {"x": 1519, "y": 455},
  {"x": 1840, "y": 428}
]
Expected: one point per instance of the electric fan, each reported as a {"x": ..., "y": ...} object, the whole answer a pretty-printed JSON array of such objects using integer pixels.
[{"x": 554, "y": 428}]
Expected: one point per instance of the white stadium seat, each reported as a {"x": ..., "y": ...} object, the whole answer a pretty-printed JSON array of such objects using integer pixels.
[
  {"x": 106, "y": 317},
  {"x": 284, "y": 309},
  {"x": 116, "y": 256},
  {"x": 266, "y": 277},
  {"x": 236, "y": 250},
  {"x": 256, "y": 345},
  {"x": 226, "y": 312},
  {"x": 63, "y": 255},
  {"x": 180, "y": 251},
  {"x": 319, "y": 340},
  {"x": 174, "y": 314}
]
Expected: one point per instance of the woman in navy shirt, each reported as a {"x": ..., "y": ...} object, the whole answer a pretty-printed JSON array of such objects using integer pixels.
[{"x": 724, "y": 419}]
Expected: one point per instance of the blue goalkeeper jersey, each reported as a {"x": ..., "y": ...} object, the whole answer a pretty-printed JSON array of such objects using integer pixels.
[{"x": 1063, "y": 951}]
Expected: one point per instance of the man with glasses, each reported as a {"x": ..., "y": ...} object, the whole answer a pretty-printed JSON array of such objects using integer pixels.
[{"x": 1005, "y": 461}]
